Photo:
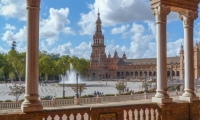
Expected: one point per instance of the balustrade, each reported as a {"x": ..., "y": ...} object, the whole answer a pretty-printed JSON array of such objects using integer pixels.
[
  {"x": 144, "y": 111},
  {"x": 93, "y": 100}
]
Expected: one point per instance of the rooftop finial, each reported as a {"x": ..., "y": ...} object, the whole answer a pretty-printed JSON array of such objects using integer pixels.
[
  {"x": 181, "y": 46},
  {"x": 98, "y": 12}
]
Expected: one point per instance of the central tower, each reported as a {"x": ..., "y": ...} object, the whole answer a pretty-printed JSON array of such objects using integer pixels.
[{"x": 98, "y": 55}]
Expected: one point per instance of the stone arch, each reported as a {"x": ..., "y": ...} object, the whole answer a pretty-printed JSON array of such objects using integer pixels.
[
  {"x": 118, "y": 74},
  {"x": 127, "y": 74},
  {"x": 93, "y": 75},
  {"x": 173, "y": 73},
  {"x": 154, "y": 73},
  {"x": 177, "y": 73},
  {"x": 168, "y": 73},
  {"x": 150, "y": 73},
  {"x": 141, "y": 73},
  {"x": 136, "y": 74}
]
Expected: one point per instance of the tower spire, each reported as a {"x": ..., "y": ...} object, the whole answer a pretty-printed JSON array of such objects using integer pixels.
[{"x": 98, "y": 12}]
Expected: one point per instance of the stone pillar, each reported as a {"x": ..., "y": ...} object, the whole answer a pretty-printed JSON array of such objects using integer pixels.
[
  {"x": 188, "y": 18},
  {"x": 31, "y": 102},
  {"x": 161, "y": 13}
]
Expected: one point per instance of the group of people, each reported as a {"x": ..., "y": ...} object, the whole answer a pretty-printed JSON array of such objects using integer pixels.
[{"x": 97, "y": 93}]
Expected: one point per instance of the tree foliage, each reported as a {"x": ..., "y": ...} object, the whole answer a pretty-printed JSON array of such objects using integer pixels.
[
  {"x": 17, "y": 60},
  {"x": 81, "y": 89},
  {"x": 13, "y": 45},
  {"x": 120, "y": 86},
  {"x": 50, "y": 65},
  {"x": 16, "y": 91}
]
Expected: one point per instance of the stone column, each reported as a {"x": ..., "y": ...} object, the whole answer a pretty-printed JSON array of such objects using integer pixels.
[
  {"x": 188, "y": 18},
  {"x": 31, "y": 102},
  {"x": 161, "y": 13}
]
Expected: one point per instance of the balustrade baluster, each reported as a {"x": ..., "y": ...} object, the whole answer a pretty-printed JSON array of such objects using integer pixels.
[
  {"x": 45, "y": 118},
  {"x": 149, "y": 114},
  {"x": 75, "y": 116},
  {"x": 154, "y": 114},
  {"x": 88, "y": 116},
  {"x": 82, "y": 116},
  {"x": 125, "y": 114},
  {"x": 128, "y": 116},
  {"x": 138, "y": 114},
  {"x": 133, "y": 114},
  {"x": 60, "y": 116},
  {"x": 53, "y": 117},
  {"x": 144, "y": 114}
]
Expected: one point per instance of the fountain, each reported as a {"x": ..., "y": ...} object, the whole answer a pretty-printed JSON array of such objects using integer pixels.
[{"x": 69, "y": 79}]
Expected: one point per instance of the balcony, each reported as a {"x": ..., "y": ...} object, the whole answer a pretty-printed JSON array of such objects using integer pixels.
[{"x": 123, "y": 107}]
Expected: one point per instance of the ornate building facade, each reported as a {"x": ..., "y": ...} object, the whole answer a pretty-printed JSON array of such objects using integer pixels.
[{"x": 119, "y": 67}]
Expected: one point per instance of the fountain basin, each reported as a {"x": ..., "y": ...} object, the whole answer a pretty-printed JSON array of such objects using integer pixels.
[{"x": 70, "y": 84}]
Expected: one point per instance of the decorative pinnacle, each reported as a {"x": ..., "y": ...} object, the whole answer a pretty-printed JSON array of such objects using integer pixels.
[{"x": 98, "y": 12}]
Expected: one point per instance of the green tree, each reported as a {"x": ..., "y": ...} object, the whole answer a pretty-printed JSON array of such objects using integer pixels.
[
  {"x": 16, "y": 91},
  {"x": 63, "y": 64},
  {"x": 17, "y": 61},
  {"x": 12, "y": 76},
  {"x": 13, "y": 45},
  {"x": 81, "y": 88},
  {"x": 82, "y": 66},
  {"x": 45, "y": 66},
  {"x": 120, "y": 86},
  {"x": 2, "y": 74}
]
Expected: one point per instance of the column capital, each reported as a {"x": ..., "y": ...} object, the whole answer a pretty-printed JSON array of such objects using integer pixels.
[
  {"x": 188, "y": 17},
  {"x": 33, "y": 3},
  {"x": 161, "y": 12}
]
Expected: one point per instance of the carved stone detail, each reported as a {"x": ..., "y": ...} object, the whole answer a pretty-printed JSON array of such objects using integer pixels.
[
  {"x": 33, "y": 3},
  {"x": 161, "y": 12},
  {"x": 188, "y": 17}
]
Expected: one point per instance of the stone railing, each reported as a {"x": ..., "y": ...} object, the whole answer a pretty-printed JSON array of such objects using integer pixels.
[
  {"x": 178, "y": 110},
  {"x": 10, "y": 105},
  {"x": 93, "y": 100}
]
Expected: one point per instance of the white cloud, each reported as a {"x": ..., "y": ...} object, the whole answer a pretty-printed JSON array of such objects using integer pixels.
[
  {"x": 87, "y": 23},
  {"x": 13, "y": 9},
  {"x": 2, "y": 50},
  {"x": 55, "y": 24},
  {"x": 82, "y": 51},
  {"x": 173, "y": 48},
  {"x": 114, "y": 12},
  {"x": 10, "y": 27},
  {"x": 19, "y": 36},
  {"x": 121, "y": 29},
  {"x": 143, "y": 43}
]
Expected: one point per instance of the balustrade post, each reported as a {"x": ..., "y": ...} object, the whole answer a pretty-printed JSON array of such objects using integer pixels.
[
  {"x": 76, "y": 100},
  {"x": 97, "y": 99}
]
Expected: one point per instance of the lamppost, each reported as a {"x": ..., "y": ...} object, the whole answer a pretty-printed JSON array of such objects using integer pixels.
[
  {"x": 145, "y": 83},
  {"x": 63, "y": 88},
  {"x": 171, "y": 75},
  {"x": 77, "y": 85}
]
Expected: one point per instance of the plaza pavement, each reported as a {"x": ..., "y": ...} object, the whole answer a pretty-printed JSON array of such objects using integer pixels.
[{"x": 105, "y": 87}]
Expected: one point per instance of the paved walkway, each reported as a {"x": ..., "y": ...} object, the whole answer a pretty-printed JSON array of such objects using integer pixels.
[{"x": 55, "y": 90}]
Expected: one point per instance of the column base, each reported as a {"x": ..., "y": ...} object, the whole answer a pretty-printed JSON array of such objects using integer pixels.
[
  {"x": 189, "y": 99},
  {"x": 31, "y": 103},
  {"x": 26, "y": 109},
  {"x": 162, "y": 100}
]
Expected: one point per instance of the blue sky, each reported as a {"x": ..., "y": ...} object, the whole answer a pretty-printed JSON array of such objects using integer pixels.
[{"x": 67, "y": 27}]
